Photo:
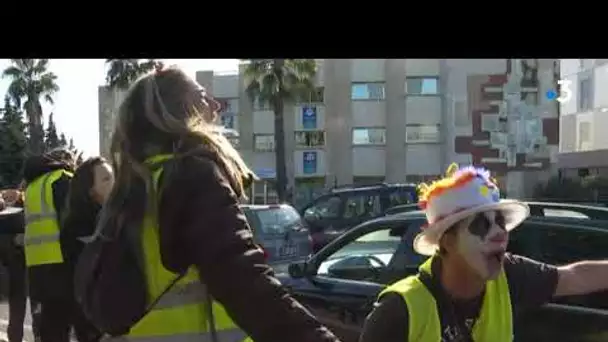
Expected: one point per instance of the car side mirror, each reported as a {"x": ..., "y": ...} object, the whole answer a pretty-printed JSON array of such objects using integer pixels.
[{"x": 297, "y": 270}]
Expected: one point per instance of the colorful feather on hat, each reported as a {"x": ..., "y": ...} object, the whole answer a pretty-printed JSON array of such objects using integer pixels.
[{"x": 454, "y": 177}]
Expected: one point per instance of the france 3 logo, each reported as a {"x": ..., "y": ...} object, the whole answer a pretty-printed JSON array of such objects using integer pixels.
[{"x": 565, "y": 92}]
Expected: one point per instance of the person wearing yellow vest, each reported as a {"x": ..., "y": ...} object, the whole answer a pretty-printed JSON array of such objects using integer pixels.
[
  {"x": 47, "y": 179},
  {"x": 178, "y": 186},
  {"x": 470, "y": 288}
]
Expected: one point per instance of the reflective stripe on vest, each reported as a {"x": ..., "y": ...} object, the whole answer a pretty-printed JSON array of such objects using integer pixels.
[
  {"x": 495, "y": 321},
  {"x": 181, "y": 313},
  {"x": 235, "y": 335},
  {"x": 41, "y": 240}
]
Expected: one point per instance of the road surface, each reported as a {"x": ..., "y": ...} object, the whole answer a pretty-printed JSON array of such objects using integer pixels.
[{"x": 27, "y": 326}]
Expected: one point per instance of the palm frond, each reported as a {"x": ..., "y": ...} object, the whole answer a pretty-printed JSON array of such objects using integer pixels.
[
  {"x": 40, "y": 67},
  {"x": 123, "y": 72},
  {"x": 12, "y": 72}
]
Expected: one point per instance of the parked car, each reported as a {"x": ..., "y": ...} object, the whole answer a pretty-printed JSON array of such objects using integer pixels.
[
  {"x": 331, "y": 214},
  {"x": 280, "y": 231},
  {"x": 540, "y": 209},
  {"x": 340, "y": 283}
]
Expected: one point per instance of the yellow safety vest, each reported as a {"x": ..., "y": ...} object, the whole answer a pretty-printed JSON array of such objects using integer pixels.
[
  {"x": 41, "y": 240},
  {"x": 181, "y": 313},
  {"x": 495, "y": 321}
]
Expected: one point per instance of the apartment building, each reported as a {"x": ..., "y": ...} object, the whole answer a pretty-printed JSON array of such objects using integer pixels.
[
  {"x": 583, "y": 148},
  {"x": 400, "y": 120}
]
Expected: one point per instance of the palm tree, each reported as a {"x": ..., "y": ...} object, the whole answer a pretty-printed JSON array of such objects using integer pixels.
[
  {"x": 276, "y": 82},
  {"x": 30, "y": 79},
  {"x": 123, "y": 72}
]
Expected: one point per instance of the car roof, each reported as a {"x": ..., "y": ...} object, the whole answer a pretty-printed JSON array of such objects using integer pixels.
[
  {"x": 419, "y": 214},
  {"x": 264, "y": 206},
  {"x": 567, "y": 205},
  {"x": 350, "y": 188}
]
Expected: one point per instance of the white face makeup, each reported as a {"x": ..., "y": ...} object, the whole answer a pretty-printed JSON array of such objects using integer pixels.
[{"x": 482, "y": 241}]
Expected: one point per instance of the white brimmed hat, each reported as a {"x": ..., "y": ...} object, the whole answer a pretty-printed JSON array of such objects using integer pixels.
[{"x": 462, "y": 193}]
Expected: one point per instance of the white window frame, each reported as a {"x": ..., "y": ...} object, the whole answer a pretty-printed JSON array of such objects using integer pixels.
[
  {"x": 381, "y": 91},
  {"x": 422, "y": 79},
  {"x": 584, "y": 97},
  {"x": 369, "y": 143},
  {"x": 422, "y": 134},
  {"x": 261, "y": 148},
  {"x": 305, "y": 132}
]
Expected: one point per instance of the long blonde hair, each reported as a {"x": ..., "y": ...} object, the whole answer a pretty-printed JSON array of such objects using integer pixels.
[{"x": 165, "y": 112}]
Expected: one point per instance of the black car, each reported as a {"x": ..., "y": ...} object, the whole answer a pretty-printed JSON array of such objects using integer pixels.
[
  {"x": 539, "y": 209},
  {"x": 340, "y": 283},
  {"x": 329, "y": 215}
]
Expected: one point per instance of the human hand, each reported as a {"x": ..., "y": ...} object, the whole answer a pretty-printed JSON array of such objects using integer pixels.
[{"x": 11, "y": 196}]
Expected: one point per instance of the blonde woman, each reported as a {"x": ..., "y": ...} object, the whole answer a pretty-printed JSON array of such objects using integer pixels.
[{"x": 178, "y": 184}]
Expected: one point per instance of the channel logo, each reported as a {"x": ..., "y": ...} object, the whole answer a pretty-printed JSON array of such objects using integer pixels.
[{"x": 566, "y": 92}]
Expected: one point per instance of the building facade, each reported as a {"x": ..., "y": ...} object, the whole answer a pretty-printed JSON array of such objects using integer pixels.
[
  {"x": 399, "y": 120},
  {"x": 583, "y": 146}
]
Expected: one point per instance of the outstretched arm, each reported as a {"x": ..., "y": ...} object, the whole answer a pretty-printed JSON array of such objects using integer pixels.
[
  {"x": 582, "y": 277},
  {"x": 202, "y": 224}
]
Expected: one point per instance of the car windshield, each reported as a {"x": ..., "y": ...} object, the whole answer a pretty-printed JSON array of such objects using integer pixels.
[
  {"x": 278, "y": 220},
  {"x": 380, "y": 244}
]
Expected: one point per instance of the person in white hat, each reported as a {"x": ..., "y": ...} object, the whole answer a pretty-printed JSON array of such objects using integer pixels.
[{"x": 470, "y": 286}]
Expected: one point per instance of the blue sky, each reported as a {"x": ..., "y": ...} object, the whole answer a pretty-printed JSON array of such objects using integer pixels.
[{"x": 76, "y": 106}]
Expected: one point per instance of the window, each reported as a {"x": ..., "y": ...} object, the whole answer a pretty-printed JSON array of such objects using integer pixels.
[
  {"x": 319, "y": 95},
  {"x": 362, "y": 206},
  {"x": 230, "y": 105},
  {"x": 367, "y": 91},
  {"x": 369, "y": 136},
  {"x": 325, "y": 208},
  {"x": 421, "y": 134},
  {"x": 422, "y": 86},
  {"x": 227, "y": 120},
  {"x": 315, "y": 96},
  {"x": 365, "y": 258},
  {"x": 584, "y": 94},
  {"x": 263, "y": 142},
  {"x": 401, "y": 196},
  {"x": 307, "y": 139},
  {"x": 584, "y": 135},
  {"x": 257, "y": 105},
  {"x": 277, "y": 220}
]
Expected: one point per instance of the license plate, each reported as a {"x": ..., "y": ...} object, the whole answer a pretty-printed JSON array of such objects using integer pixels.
[{"x": 288, "y": 250}]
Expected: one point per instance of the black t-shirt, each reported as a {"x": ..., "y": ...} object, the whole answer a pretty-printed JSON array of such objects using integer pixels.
[{"x": 531, "y": 284}]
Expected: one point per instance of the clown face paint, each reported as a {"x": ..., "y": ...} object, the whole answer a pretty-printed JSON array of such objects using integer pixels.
[{"x": 482, "y": 241}]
